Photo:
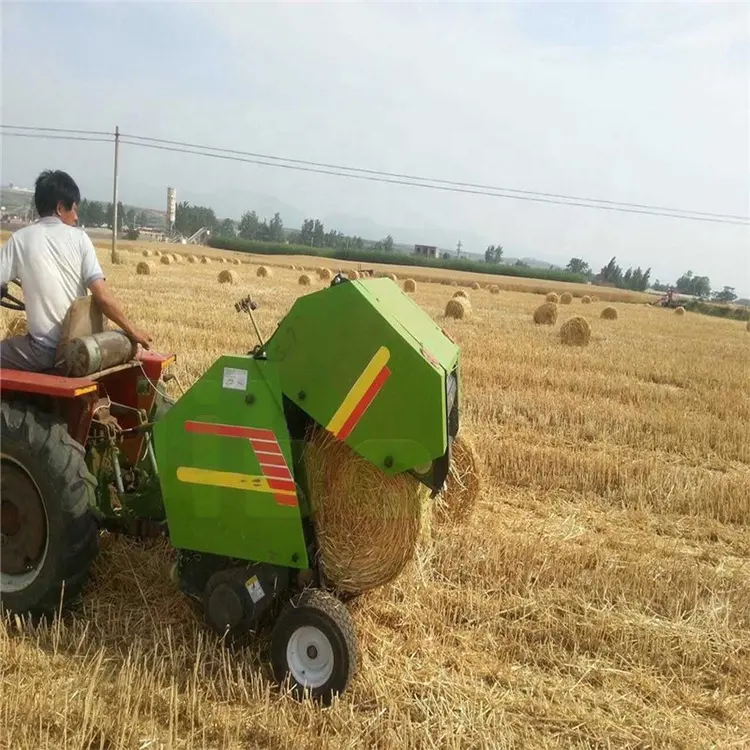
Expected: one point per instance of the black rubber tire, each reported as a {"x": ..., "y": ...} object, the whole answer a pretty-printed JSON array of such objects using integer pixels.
[
  {"x": 57, "y": 465},
  {"x": 324, "y": 611}
]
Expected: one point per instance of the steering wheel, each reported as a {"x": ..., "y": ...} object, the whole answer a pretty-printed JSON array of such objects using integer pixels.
[{"x": 8, "y": 301}]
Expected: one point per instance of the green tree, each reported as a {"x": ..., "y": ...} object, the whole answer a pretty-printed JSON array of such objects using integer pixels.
[
  {"x": 319, "y": 234},
  {"x": 306, "y": 233},
  {"x": 249, "y": 226},
  {"x": 578, "y": 265},
  {"x": 727, "y": 294},
  {"x": 226, "y": 228},
  {"x": 130, "y": 218},
  {"x": 388, "y": 244},
  {"x": 110, "y": 215},
  {"x": 142, "y": 219},
  {"x": 493, "y": 254},
  {"x": 276, "y": 229},
  {"x": 697, "y": 286},
  {"x": 611, "y": 273}
]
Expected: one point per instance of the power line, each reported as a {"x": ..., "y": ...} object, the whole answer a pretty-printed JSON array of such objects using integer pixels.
[
  {"x": 370, "y": 175},
  {"x": 455, "y": 183},
  {"x": 444, "y": 188}
]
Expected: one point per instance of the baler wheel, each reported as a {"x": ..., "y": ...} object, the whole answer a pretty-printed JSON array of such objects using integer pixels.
[
  {"x": 314, "y": 645},
  {"x": 48, "y": 531}
]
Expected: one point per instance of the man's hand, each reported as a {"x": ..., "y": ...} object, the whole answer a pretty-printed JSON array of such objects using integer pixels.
[{"x": 140, "y": 337}]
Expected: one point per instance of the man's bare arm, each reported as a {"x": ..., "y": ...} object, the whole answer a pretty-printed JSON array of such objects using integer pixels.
[{"x": 110, "y": 307}]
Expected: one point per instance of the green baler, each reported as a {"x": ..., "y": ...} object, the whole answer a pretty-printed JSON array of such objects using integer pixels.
[{"x": 358, "y": 358}]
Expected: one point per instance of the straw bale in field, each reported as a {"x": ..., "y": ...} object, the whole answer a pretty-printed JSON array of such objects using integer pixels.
[
  {"x": 585, "y": 300},
  {"x": 205, "y": 259},
  {"x": 367, "y": 524},
  {"x": 263, "y": 271},
  {"x": 475, "y": 285},
  {"x": 16, "y": 326},
  {"x": 575, "y": 331},
  {"x": 594, "y": 298},
  {"x": 143, "y": 268},
  {"x": 462, "y": 488},
  {"x": 461, "y": 293},
  {"x": 176, "y": 258},
  {"x": 191, "y": 259},
  {"x": 324, "y": 274},
  {"x": 304, "y": 280},
  {"x": 494, "y": 289},
  {"x": 393, "y": 277},
  {"x": 352, "y": 275},
  {"x": 546, "y": 314},
  {"x": 146, "y": 253},
  {"x": 566, "y": 298},
  {"x": 458, "y": 307},
  {"x": 609, "y": 313},
  {"x": 552, "y": 297},
  {"x": 410, "y": 285},
  {"x": 226, "y": 277},
  {"x": 235, "y": 261},
  {"x": 157, "y": 253},
  {"x": 165, "y": 260},
  {"x": 679, "y": 310}
]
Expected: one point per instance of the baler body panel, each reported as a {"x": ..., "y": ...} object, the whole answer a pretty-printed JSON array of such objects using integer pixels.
[
  {"x": 369, "y": 365},
  {"x": 225, "y": 466}
]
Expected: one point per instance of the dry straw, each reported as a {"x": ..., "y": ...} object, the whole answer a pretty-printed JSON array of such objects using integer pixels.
[
  {"x": 552, "y": 297},
  {"x": 143, "y": 268},
  {"x": 352, "y": 275},
  {"x": 146, "y": 253},
  {"x": 324, "y": 274},
  {"x": 176, "y": 258},
  {"x": 594, "y": 298},
  {"x": 566, "y": 298},
  {"x": 263, "y": 272},
  {"x": 410, "y": 285},
  {"x": 459, "y": 496},
  {"x": 475, "y": 285},
  {"x": 191, "y": 259},
  {"x": 609, "y": 313},
  {"x": 679, "y": 310},
  {"x": 205, "y": 259},
  {"x": 304, "y": 280},
  {"x": 366, "y": 524},
  {"x": 575, "y": 332},
  {"x": 461, "y": 293},
  {"x": 226, "y": 277},
  {"x": 235, "y": 261},
  {"x": 546, "y": 314},
  {"x": 393, "y": 277},
  {"x": 494, "y": 289},
  {"x": 458, "y": 307},
  {"x": 16, "y": 326},
  {"x": 586, "y": 300},
  {"x": 165, "y": 260}
]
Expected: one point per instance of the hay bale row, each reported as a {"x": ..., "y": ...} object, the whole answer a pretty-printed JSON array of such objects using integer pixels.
[
  {"x": 352, "y": 275},
  {"x": 575, "y": 332},
  {"x": 458, "y": 307},
  {"x": 546, "y": 314},
  {"x": 191, "y": 259}
]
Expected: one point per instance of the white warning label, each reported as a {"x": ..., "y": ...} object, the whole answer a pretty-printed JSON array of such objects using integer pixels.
[{"x": 235, "y": 379}]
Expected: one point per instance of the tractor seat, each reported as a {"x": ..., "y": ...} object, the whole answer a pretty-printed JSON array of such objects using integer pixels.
[{"x": 85, "y": 348}]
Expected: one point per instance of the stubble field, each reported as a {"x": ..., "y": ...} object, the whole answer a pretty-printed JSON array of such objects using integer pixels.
[{"x": 599, "y": 597}]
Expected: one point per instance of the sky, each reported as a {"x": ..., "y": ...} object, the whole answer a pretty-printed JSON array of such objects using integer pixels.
[{"x": 640, "y": 102}]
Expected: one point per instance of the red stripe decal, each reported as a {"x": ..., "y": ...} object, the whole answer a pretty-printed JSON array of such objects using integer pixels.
[
  {"x": 290, "y": 500},
  {"x": 228, "y": 430},
  {"x": 282, "y": 484},
  {"x": 278, "y": 472},
  {"x": 270, "y": 459},
  {"x": 365, "y": 401}
]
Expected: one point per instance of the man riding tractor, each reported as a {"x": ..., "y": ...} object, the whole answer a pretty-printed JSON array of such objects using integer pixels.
[{"x": 56, "y": 264}]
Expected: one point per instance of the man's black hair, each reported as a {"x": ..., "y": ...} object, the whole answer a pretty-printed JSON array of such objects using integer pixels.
[{"x": 52, "y": 188}]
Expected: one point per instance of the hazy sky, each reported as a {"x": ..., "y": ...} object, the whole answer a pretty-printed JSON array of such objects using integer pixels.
[{"x": 644, "y": 103}]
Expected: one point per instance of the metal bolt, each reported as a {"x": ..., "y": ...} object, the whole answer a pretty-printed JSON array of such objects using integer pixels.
[
  {"x": 249, "y": 399},
  {"x": 388, "y": 462},
  {"x": 302, "y": 395}
]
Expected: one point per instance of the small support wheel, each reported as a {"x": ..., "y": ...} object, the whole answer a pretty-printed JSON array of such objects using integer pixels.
[{"x": 314, "y": 645}]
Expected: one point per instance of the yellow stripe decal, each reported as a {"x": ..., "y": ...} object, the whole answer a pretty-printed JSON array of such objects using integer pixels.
[
  {"x": 228, "y": 479},
  {"x": 364, "y": 381},
  {"x": 87, "y": 389}
]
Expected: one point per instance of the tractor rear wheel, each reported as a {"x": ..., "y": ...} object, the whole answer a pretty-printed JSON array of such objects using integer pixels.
[
  {"x": 48, "y": 531},
  {"x": 313, "y": 644}
]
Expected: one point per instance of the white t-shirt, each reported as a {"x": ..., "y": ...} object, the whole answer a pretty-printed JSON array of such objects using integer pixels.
[{"x": 55, "y": 264}]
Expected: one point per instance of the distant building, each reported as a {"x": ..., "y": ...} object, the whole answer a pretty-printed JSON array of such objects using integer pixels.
[{"x": 429, "y": 251}]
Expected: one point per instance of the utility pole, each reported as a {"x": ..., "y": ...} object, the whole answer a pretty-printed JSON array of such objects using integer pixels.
[
  {"x": 458, "y": 249},
  {"x": 115, "y": 258}
]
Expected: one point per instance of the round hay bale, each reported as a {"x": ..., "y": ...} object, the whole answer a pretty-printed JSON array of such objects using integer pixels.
[
  {"x": 609, "y": 313},
  {"x": 191, "y": 259},
  {"x": 352, "y": 275},
  {"x": 226, "y": 277},
  {"x": 165, "y": 260},
  {"x": 552, "y": 297},
  {"x": 143, "y": 268},
  {"x": 205, "y": 259},
  {"x": 546, "y": 314},
  {"x": 221, "y": 259},
  {"x": 494, "y": 289},
  {"x": 458, "y": 307},
  {"x": 575, "y": 331},
  {"x": 304, "y": 280},
  {"x": 461, "y": 293},
  {"x": 585, "y": 300},
  {"x": 176, "y": 258},
  {"x": 679, "y": 310},
  {"x": 324, "y": 274},
  {"x": 393, "y": 277},
  {"x": 566, "y": 298},
  {"x": 594, "y": 298},
  {"x": 462, "y": 488},
  {"x": 235, "y": 261},
  {"x": 146, "y": 253},
  {"x": 410, "y": 285},
  {"x": 367, "y": 524},
  {"x": 157, "y": 253},
  {"x": 263, "y": 272},
  {"x": 475, "y": 286}
]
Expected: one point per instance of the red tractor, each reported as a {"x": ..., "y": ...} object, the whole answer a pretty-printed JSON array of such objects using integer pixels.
[{"x": 65, "y": 441}]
